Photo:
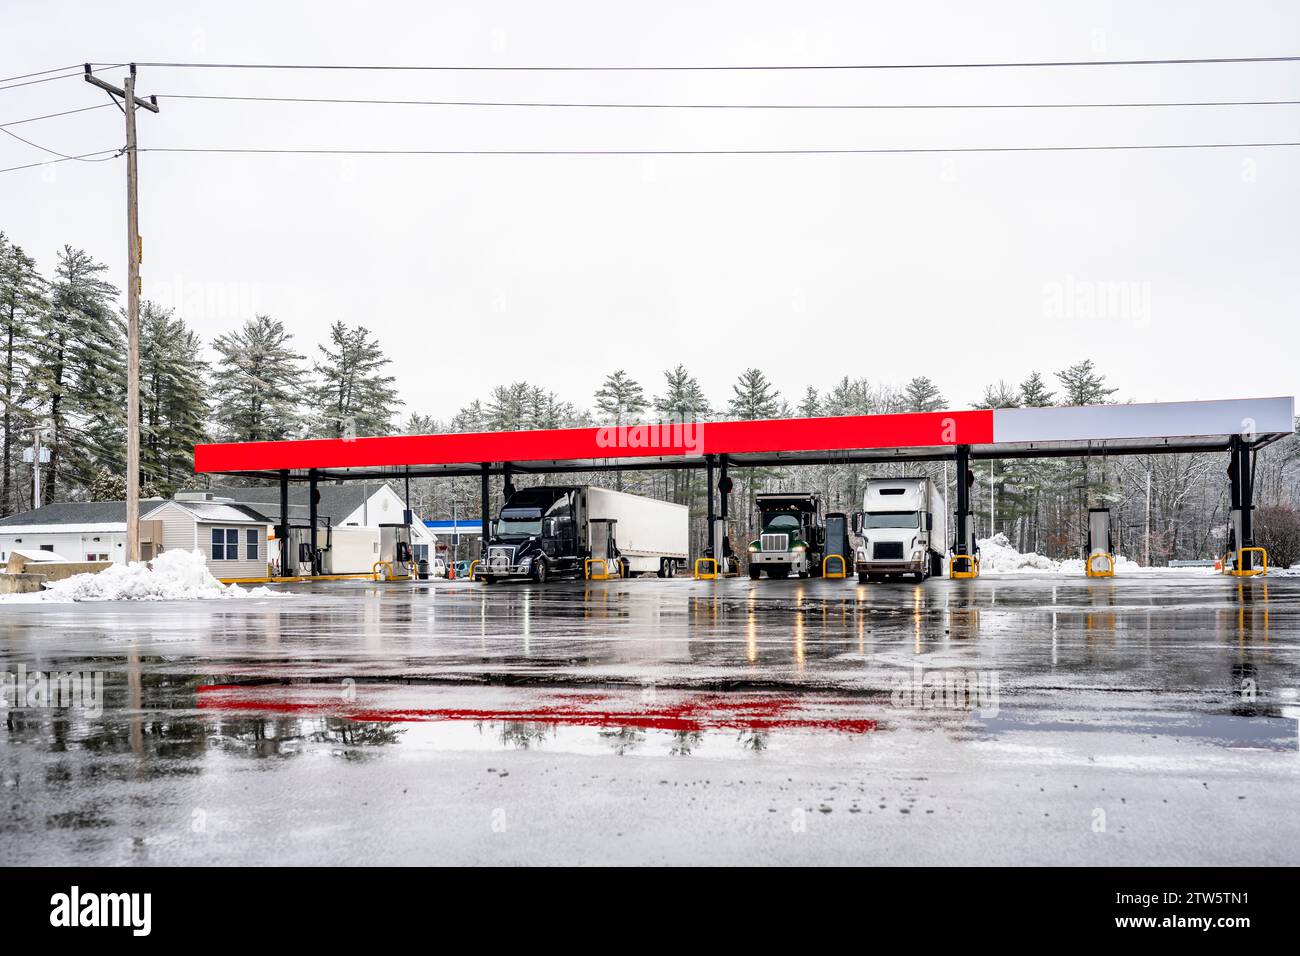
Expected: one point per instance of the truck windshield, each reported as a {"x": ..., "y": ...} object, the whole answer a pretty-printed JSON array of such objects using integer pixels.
[
  {"x": 781, "y": 522},
  {"x": 520, "y": 524},
  {"x": 891, "y": 519}
]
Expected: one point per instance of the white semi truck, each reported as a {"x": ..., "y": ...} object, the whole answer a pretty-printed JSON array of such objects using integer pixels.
[
  {"x": 901, "y": 529},
  {"x": 552, "y": 530}
]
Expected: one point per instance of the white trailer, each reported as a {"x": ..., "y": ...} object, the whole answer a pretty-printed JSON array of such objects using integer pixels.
[
  {"x": 650, "y": 535},
  {"x": 901, "y": 529},
  {"x": 551, "y": 530}
]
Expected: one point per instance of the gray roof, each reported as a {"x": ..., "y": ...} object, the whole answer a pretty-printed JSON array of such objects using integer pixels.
[
  {"x": 336, "y": 501},
  {"x": 221, "y": 511},
  {"x": 71, "y": 513}
]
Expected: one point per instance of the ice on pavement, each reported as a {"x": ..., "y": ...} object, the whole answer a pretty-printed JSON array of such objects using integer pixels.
[{"x": 174, "y": 575}]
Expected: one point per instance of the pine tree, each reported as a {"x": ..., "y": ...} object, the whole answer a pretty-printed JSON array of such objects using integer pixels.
[
  {"x": 77, "y": 383},
  {"x": 1034, "y": 393},
  {"x": 173, "y": 398},
  {"x": 922, "y": 395},
  {"x": 753, "y": 396},
  {"x": 1082, "y": 384},
  {"x": 683, "y": 400},
  {"x": 256, "y": 382},
  {"x": 810, "y": 405},
  {"x": 620, "y": 399},
  {"x": 22, "y": 302},
  {"x": 352, "y": 396}
]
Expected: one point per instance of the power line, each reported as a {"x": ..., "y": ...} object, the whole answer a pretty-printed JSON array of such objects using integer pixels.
[
  {"x": 57, "y": 69},
  {"x": 722, "y": 106},
  {"x": 50, "y": 162},
  {"x": 45, "y": 149},
  {"x": 33, "y": 119},
  {"x": 63, "y": 76},
  {"x": 759, "y": 67},
  {"x": 702, "y": 152}
]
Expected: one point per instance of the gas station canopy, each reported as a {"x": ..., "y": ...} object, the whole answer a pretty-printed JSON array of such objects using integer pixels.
[{"x": 989, "y": 433}]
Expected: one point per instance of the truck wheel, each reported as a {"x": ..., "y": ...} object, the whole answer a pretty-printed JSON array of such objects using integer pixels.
[
  {"x": 755, "y": 572},
  {"x": 863, "y": 577},
  {"x": 540, "y": 571},
  {"x": 624, "y": 568}
]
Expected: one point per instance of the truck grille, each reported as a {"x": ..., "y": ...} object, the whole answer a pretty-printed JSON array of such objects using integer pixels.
[
  {"x": 500, "y": 558},
  {"x": 775, "y": 542},
  {"x": 887, "y": 550}
]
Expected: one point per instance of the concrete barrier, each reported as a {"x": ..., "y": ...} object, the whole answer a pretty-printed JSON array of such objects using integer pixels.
[
  {"x": 54, "y": 570},
  {"x": 21, "y": 583}
]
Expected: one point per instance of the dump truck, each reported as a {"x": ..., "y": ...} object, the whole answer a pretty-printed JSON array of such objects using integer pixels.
[
  {"x": 900, "y": 529},
  {"x": 791, "y": 536},
  {"x": 554, "y": 530}
]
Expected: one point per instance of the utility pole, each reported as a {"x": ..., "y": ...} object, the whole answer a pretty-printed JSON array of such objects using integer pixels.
[
  {"x": 38, "y": 434},
  {"x": 133, "y": 255},
  {"x": 1147, "y": 560}
]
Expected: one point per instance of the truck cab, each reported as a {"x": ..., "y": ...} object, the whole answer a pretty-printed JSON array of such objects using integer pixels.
[
  {"x": 900, "y": 530},
  {"x": 535, "y": 536},
  {"x": 791, "y": 536}
]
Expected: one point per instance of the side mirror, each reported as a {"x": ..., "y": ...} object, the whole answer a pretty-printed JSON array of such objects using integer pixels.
[
  {"x": 492, "y": 527},
  {"x": 548, "y": 528},
  {"x": 857, "y": 522},
  {"x": 929, "y": 521}
]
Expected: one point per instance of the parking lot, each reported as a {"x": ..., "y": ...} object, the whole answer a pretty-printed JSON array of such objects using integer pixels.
[{"x": 1016, "y": 719}]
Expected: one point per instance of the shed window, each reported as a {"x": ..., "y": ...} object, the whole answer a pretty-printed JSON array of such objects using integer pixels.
[
  {"x": 225, "y": 544},
  {"x": 251, "y": 539}
]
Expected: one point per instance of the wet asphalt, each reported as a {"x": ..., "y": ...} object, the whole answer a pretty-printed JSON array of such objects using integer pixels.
[{"x": 1150, "y": 719}]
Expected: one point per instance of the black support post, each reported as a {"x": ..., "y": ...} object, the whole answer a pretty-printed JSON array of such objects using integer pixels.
[
  {"x": 710, "y": 519},
  {"x": 282, "y": 532},
  {"x": 485, "y": 502},
  {"x": 313, "y": 502},
  {"x": 1241, "y": 491},
  {"x": 508, "y": 482},
  {"x": 724, "y": 499},
  {"x": 963, "y": 543}
]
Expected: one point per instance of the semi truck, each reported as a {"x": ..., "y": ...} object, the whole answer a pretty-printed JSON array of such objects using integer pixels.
[
  {"x": 791, "y": 536},
  {"x": 552, "y": 530},
  {"x": 901, "y": 529}
]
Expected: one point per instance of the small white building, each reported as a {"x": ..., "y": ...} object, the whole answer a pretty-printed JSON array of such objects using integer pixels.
[
  {"x": 78, "y": 530},
  {"x": 231, "y": 537}
]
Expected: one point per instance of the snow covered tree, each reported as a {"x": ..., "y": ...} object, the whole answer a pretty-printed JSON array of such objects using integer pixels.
[
  {"x": 1034, "y": 393},
  {"x": 1082, "y": 384},
  {"x": 77, "y": 382},
  {"x": 352, "y": 395},
  {"x": 753, "y": 396},
  {"x": 256, "y": 382},
  {"x": 173, "y": 398},
  {"x": 620, "y": 399},
  {"x": 810, "y": 405},
  {"x": 682, "y": 400},
  {"x": 999, "y": 395},
  {"x": 922, "y": 395},
  {"x": 22, "y": 302}
]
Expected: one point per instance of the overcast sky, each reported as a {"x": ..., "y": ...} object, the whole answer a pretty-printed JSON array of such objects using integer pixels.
[{"x": 476, "y": 271}]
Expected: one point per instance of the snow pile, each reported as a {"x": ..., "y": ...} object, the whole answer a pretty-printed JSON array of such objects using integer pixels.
[
  {"x": 172, "y": 576},
  {"x": 998, "y": 556}
]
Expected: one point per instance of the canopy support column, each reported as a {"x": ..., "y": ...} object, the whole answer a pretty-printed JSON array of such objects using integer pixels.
[
  {"x": 485, "y": 503},
  {"x": 282, "y": 530},
  {"x": 313, "y": 499},
  {"x": 710, "y": 519},
  {"x": 1241, "y": 490},
  {"x": 964, "y": 542},
  {"x": 724, "y": 499}
]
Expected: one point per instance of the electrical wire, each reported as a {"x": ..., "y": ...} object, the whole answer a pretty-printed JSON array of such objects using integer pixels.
[
  {"x": 761, "y": 67},
  {"x": 701, "y": 152},
  {"x": 33, "y": 119},
  {"x": 84, "y": 156},
  {"x": 720, "y": 106},
  {"x": 57, "y": 69},
  {"x": 65, "y": 76}
]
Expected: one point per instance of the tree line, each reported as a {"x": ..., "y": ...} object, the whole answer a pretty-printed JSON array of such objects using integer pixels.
[{"x": 62, "y": 368}]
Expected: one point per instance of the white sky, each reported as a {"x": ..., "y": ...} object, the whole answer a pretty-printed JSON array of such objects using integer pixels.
[{"x": 476, "y": 271}]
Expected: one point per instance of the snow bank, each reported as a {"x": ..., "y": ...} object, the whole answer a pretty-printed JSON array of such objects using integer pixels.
[
  {"x": 998, "y": 556},
  {"x": 172, "y": 576}
]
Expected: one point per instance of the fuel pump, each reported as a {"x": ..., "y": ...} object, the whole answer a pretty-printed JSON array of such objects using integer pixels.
[
  {"x": 1099, "y": 555},
  {"x": 395, "y": 549}
]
